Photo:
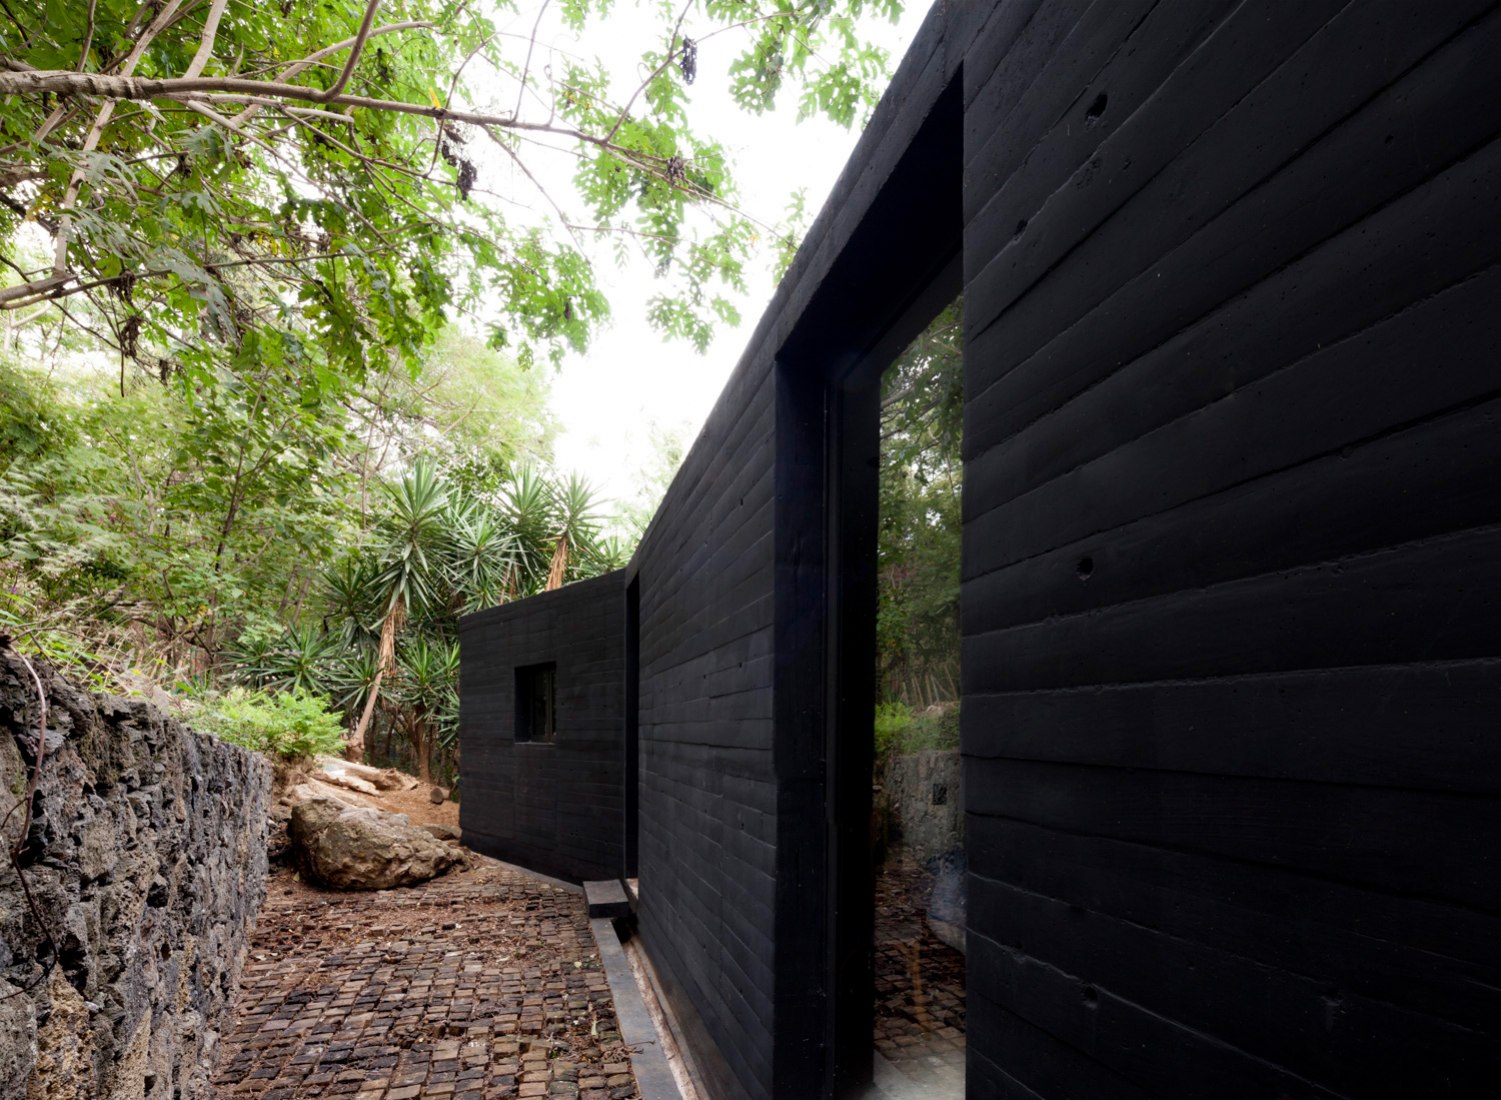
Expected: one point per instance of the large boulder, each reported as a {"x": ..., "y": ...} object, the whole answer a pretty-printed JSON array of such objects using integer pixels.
[
  {"x": 356, "y": 848},
  {"x": 946, "y": 907}
]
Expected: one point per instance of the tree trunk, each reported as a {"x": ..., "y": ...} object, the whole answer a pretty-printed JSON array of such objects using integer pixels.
[
  {"x": 354, "y": 748},
  {"x": 559, "y": 564},
  {"x": 419, "y": 746}
]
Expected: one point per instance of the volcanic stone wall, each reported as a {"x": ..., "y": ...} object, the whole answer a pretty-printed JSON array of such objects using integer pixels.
[
  {"x": 1230, "y": 546},
  {"x": 146, "y": 861},
  {"x": 556, "y": 806}
]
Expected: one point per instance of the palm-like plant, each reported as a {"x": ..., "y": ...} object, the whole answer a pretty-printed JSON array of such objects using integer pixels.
[
  {"x": 483, "y": 555},
  {"x": 299, "y": 659},
  {"x": 349, "y": 599},
  {"x": 302, "y": 662},
  {"x": 530, "y": 506},
  {"x": 440, "y": 550},
  {"x": 428, "y": 693},
  {"x": 411, "y": 570},
  {"x": 578, "y": 529}
]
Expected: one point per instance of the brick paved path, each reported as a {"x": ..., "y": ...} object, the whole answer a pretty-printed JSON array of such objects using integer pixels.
[
  {"x": 478, "y": 985},
  {"x": 919, "y": 980}
]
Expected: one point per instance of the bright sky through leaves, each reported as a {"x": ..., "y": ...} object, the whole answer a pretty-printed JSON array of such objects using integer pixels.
[{"x": 608, "y": 399}]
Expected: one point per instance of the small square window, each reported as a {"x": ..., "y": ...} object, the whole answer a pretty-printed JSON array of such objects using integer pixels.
[{"x": 536, "y": 703}]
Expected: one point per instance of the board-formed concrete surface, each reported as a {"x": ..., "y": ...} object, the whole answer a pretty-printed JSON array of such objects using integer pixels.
[
  {"x": 480, "y": 985},
  {"x": 1230, "y": 656}
]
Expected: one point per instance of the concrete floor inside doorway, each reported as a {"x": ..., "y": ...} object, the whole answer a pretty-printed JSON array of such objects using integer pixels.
[{"x": 481, "y": 985}]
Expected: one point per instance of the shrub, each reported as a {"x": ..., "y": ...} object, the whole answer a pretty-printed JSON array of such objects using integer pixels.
[
  {"x": 891, "y": 720},
  {"x": 899, "y": 730},
  {"x": 290, "y": 725}
]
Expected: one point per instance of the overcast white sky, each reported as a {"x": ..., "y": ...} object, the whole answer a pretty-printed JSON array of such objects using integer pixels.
[{"x": 630, "y": 379}]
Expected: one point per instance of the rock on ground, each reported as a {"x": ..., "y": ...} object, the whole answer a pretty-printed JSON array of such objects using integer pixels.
[
  {"x": 946, "y": 905},
  {"x": 357, "y": 848}
]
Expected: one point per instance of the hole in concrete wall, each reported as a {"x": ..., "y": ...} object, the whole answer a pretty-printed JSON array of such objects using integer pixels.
[
  {"x": 1085, "y": 568},
  {"x": 1096, "y": 109},
  {"x": 537, "y": 703}
]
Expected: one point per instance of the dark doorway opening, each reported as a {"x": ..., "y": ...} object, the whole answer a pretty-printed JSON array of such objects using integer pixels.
[
  {"x": 917, "y": 824},
  {"x": 853, "y": 441},
  {"x": 899, "y": 269}
]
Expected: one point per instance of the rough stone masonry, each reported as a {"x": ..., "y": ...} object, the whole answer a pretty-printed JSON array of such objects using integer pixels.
[{"x": 146, "y": 863}]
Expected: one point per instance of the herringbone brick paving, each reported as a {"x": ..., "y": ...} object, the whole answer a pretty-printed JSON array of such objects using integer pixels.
[
  {"x": 480, "y": 985},
  {"x": 919, "y": 980}
]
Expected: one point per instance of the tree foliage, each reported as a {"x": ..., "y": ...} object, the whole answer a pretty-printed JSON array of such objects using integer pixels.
[
  {"x": 922, "y": 419},
  {"x": 315, "y": 242},
  {"x": 316, "y": 185},
  {"x": 233, "y": 535}
]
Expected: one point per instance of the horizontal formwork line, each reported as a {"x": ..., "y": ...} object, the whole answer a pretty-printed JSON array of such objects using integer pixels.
[
  {"x": 1406, "y": 310},
  {"x": 1183, "y": 154},
  {"x": 1239, "y": 861},
  {"x": 662, "y": 667},
  {"x": 1289, "y": 576},
  {"x": 1238, "y": 776},
  {"x": 1185, "y": 937},
  {"x": 1230, "y": 679},
  {"x": 1177, "y": 1025},
  {"x": 1219, "y": 487}
]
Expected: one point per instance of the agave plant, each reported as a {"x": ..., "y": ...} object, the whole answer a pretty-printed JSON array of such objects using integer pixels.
[
  {"x": 428, "y": 694},
  {"x": 303, "y": 661},
  {"x": 483, "y": 555},
  {"x": 301, "y": 658},
  {"x": 410, "y": 577}
]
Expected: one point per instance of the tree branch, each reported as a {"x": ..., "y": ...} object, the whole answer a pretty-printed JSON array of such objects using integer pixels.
[
  {"x": 206, "y": 44},
  {"x": 355, "y": 50},
  {"x": 671, "y": 52},
  {"x": 526, "y": 67},
  {"x": 88, "y": 38},
  {"x": 70, "y": 196}
]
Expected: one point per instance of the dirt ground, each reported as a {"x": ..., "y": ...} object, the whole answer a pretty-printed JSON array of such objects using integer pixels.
[
  {"x": 407, "y": 795},
  {"x": 418, "y": 807}
]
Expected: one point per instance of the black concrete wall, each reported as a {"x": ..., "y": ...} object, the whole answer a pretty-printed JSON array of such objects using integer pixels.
[
  {"x": 553, "y": 807},
  {"x": 708, "y": 793},
  {"x": 735, "y": 857},
  {"x": 1230, "y": 555},
  {"x": 1231, "y": 662}
]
